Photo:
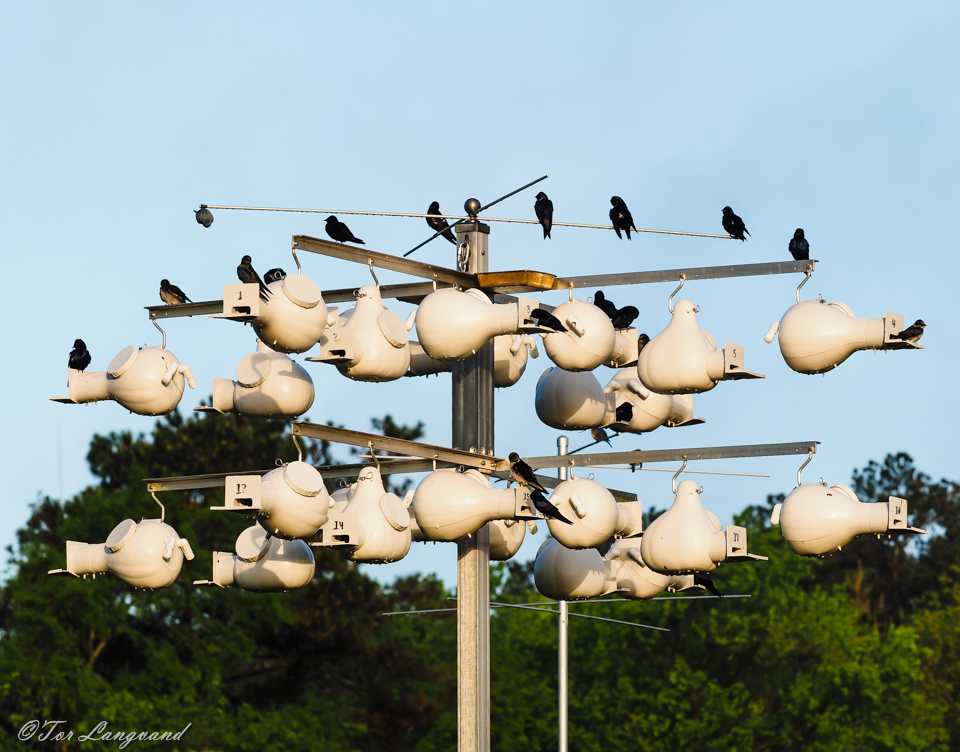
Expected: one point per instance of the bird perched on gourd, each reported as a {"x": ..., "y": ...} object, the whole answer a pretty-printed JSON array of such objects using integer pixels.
[
  {"x": 912, "y": 333},
  {"x": 621, "y": 318},
  {"x": 248, "y": 275},
  {"x": 79, "y": 356}
]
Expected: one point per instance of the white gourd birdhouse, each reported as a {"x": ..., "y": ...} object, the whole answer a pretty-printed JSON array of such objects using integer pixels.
[
  {"x": 506, "y": 537},
  {"x": 384, "y": 522},
  {"x": 263, "y": 564},
  {"x": 594, "y": 514},
  {"x": 684, "y": 359},
  {"x": 590, "y": 338},
  {"x": 268, "y": 385},
  {"x": 650, "y": 410},
  {"x": 573, "y": 401},
  {"x": 687, "y": 538},
  {"x": 510, "y": 352},
  {"x": 148, "y": 381},
  {"x": 451, "y": 505},
  {"x": 816, "y": 520},
  {"x": 146, "y": 555},
  {"x": 566, "y": 574},
  {"x": 816, "y": 337},
  {"x": 635, "y": 580}
]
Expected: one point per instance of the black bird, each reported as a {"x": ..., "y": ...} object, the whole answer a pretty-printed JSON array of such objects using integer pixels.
[
  {"x": 437, "y": 223},
  {"x": 248, "y": 275},
  {"x": 171, "y": 294},
  {"x": 620, "y": 317},
  {"x": 545, "y": 508},
  {"x": 79, "y": 357},
  {"x": 547, "y": 320},
  {"x": 340, "y": 232},
  {"x": 522, "y": 472},
  {"x": 733, "y": 224},
  {"x": 642, "y": 341},
  {"x": 274, "y": 275},
  {"x": 620, "y": 217},
  {"x": 799, "y": 246},
  {"x": 705, "y": 580},
  {"x": 624, "y": 413},
  {"x": 912, "y": 333},
  {"x": 600, "y": 435},
  {"x": 544, "y": 210}
]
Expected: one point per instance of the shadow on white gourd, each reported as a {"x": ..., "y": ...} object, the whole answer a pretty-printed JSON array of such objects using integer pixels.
[
  {"x": 148, "y": 381},
  {"x": 451, "y": 505},
  {"x": 384, "y": 523},
  {"x": 590, "y": 338},
  {"x": 816, "y": 337},
  {"x": 573, "y": 401},
  {"x": 263, "y": 564},
  {"x": 453, "y": 325},
  {"x": 506, "y": 537},
  {"x": 594, "y": 514},
  {"x": 687, "y": 538},
  {"x": 650, "y": 410},
  {"x": 684, "y": 359},
  {"x": 566, "y": 574},
  {"x": 635, "y": 579},
  {"x": 816, "y": 520},
  {"x": 146, "y": 555},
  {"x": 510, "y": 353},
  {"x": 268, "y": 385}
]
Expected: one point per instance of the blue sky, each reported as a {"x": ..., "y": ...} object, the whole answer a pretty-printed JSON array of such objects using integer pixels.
[{"x": 121, "y": 118}]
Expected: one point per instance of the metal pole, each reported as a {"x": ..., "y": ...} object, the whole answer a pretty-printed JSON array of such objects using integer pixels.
[
  {"x": 562, "y": 445},
  {"x": 473, "y": 431}
]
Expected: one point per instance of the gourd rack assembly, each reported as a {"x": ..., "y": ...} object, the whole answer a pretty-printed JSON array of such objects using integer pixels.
[{"x": 460, "y": 313}]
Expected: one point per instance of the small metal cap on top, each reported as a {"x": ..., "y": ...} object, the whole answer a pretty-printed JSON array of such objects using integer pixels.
[{"x": 471, "y": 206}]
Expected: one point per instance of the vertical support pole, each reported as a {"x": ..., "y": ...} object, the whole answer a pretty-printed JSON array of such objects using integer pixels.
[
  {"x": 473, "y": 431},
  {"x": 562, "y": 445}
]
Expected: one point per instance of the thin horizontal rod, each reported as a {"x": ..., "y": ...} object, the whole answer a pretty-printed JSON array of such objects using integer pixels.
[
  {"x": 548, "y": 481},
  {"x": 397, "y": 446},
  {"x": 580, "y": 616},
  {"x": 690, "y": 274},
  {"x": 685, "y": 472},
  {"x": 593, "y": 601},
  {"x": 463, "y": 217},
  {"x": 638, "y": 457}
]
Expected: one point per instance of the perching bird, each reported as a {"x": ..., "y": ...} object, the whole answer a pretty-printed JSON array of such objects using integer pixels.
[
  {"x": 438, "y": 223},
  {"x": 911, "y": 333},
  {"x": 642, "y": 342},
  {"x": 545, "y": 508},
  {"x": 600, "y": 435},
  {"x": 79, "y": 357},
  {"x": 248, "y": 275},
  {"x": 544, "y": 210},
  {"x": 620, "y": 217},
  {"x": 624, "y": 413},
  {"x": 799, "y": 246},
  {"x": 274, "y": 275},
  {"x": 621, "y": 318},
  {"x": 171, "y": 294},
  {"x": 546, "y": 320},
  {"x": 522, "y": 472},
  {"x": 704, "y": 580},
  {"x": 733, "y": 224},
  {"x": 340, "y": 232}
]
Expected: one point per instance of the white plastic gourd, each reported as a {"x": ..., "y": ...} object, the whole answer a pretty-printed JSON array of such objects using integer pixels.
[
  {"x": 268, "y": 385},
  {"x": 385, "y": 533},
  {"x": 566, "y": 574},
  {"x": 590, "y": 338},
  {"x": 594, "y": 514},
  {"x": 635, "y": 579},
  {"x": 293, "y": 501},
  {"x": 379, "y": 335},
  {"x": 263, "y": 564},
  {"x": 650, "y": 410},
  {"x": 573, "y": 401},
  {"x": 450, "y": 505},
  {"x": 294, "y": 316}
]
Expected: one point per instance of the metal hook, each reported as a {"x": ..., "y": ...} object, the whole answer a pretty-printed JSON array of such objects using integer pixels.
[
  {"x": 805, "y": 280},
  {"x": 373, "y": 454},
  {"x": 683, "y": 278},
  {"x": 375, "y": 280},
  {"x": 570, "y": 465},
  {"x": 164, "y": 345},
  {"x": 293, "y": 250},
  {"x": 463, "y": 254},
  {"x": 809, "y": 460},
  {"x": 299, "y": 450},
  {"x": 163, "y": 512},
  {"x": 570, "y": 292},
  {"x": 673, "y": 483}
]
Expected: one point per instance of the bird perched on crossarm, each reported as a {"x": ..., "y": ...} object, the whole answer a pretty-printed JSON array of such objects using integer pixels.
[
  {"x": 79, "y": 357},
  {"x": 912, "y": 333},
  {"x": 545, "y": 508},
  {"x": 704, "y": 580},
  {"x": 439, "y": 223},
  {"x": 546, "y": 320},
  {"x": 522, "y": 472},
  {"x": 620, "y": 217},
  {"x": 621, "y": 318},
  {"x": 248, "y": 275},
  {"x": 171, "y": 294},
  {"x": 340, "y": 232},
  {"x": 544, "y": 209},
  {"x": 733, "y": 224},
  {"x": 799, "y": 247},
  {"x": 274, "y": 275}
]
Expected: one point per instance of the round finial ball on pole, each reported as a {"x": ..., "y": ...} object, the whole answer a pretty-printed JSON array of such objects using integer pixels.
[
  {"x": 204, "y": 216},
  {"x": 471, "y": 206}
]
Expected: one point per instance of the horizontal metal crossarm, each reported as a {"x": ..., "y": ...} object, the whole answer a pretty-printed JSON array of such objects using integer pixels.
[
  {"x": 203, "y": 308},
  {"x": 639, "y": 457},
  {"x": 549, "y": 482},
  {"x": 383, "y": 261},
  {"x": 693, "y": 273},
  {"x": 405, "y": 447}
]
